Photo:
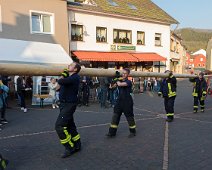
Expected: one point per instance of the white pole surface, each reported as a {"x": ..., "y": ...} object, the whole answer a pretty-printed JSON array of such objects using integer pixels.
[{"x": 56, "y": 69}]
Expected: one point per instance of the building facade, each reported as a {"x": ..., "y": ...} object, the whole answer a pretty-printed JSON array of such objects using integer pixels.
[
  {"x": 35, "y": 20},
  {"x": 177, "y": 54},
  {"x": 195, "y": 62},
  {"x": 96, "y": 30}
]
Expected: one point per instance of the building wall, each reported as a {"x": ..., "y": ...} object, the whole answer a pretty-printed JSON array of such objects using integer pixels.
[
  {"x": 198, "y": 63},
  {"x": 209, "y": 55},
  {"x": 15, "y": 17},
  {"x": 90, "y": 23}
]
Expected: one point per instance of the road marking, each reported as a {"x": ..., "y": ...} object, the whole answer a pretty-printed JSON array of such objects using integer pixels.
[
  {"x": 201, "y": 121},
  {"x": 183, "y": 113},
  {"x": 149, "y": 111},
  {"x": 81, "y": 127},
  {"x": 166, "y": 148}
]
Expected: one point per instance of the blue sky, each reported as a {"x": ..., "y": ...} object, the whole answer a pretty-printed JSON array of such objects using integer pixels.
[{"x": 190, "y": 13}]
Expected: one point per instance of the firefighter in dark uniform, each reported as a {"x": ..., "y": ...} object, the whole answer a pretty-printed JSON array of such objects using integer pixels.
[
  {"x": 3, "y": 163},
  {"x": 199, "y": 91},
  {"x": 124, "y": 104},
  {"x": 168, "y": 91},
  {"x": 65, "y": 126}
]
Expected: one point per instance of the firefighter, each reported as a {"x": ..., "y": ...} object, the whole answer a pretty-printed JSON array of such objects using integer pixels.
[
  {"x": 3, "y": 163},
  {"x": 65, "y": 126},
  {"x": 199, "y": 91},
  {"x": 168, "y": 92},
  {"x": 124, "y": 104}
]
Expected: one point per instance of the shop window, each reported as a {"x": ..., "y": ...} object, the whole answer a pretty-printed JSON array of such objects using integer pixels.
[
  {"x": 122, "y": 36},
  {"x": 140, "y": 38},
  {"x": 158, "y": 39},
  {"x": 42, "y": 23},
  {"x": 101, "y": 34},
  {"x": 76, "y": 32}
]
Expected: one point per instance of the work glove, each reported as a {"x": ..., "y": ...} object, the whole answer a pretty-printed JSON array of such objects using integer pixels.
[
  {"x": 203, "y": 94},
  {"x": 65, "y": 73}
]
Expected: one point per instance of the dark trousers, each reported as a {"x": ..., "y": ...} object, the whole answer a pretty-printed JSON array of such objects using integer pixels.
[
  {"x": 123, "y": 106},
  {"x": 169, "y": 106},
  {"x": 198, "y": 100},
  {"x": 22, "y": 97},
  {"x": 66, "y": 128},
  {"x": 3, "y": 111},
  {"x": 85, "y": 94},
  {"x": 103, "y": 96}
]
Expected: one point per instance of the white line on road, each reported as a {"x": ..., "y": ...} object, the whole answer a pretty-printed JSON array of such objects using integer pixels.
[
  {"x": 166, "y": 148},
  {"x": 81, "y": 127},
  {"x": 200, "y": 121}
]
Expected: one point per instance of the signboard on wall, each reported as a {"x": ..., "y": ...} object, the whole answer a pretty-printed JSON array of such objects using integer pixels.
[{"x": 126, "y": 48}]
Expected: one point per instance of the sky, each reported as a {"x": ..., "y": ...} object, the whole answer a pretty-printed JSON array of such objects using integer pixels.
[{"x": 190, "y": 13}]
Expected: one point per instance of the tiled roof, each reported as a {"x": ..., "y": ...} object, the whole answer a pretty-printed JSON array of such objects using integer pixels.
[{"x": 146, "y": 10}]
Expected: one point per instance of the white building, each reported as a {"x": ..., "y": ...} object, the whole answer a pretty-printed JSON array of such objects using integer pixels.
[{"x": 136, "y": 28}]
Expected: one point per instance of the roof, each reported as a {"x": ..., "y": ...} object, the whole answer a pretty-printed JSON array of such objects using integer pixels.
[
  {"x": 146, "y": 10},
  {"x": 117, "y": 56}
]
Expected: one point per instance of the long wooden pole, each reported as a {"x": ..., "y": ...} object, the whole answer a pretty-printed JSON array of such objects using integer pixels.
[{"x": 33, "y": 69}]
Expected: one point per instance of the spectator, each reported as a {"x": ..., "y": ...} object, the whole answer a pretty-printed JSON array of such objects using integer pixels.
[
  {"x": 86, "y": 81},
  {"x": 145, "y": 84},
  {"x": 21, "y": 85},
  {"x": 52, "y": 92},
  {"x": 3, "y": 95},
  {"x": 104, "y": 84}
]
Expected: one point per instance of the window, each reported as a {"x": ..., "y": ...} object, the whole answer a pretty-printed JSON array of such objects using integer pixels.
[
  {"x": 199, "y": 65},
  {"x": 203, "y": 65},
  {"x": 122, "y": 36},
  {"x": 112, "y": 3},
  {"x": 191, "y": 60},
  {"x": 87, "y": 2},
  {"x": 140, "y": 38},
  {"x": 101, "y": 34},
  {"x": 42, "y": 23},
  {"x": 172, "y": 45},
  {"x": 201, "y": 59},
  {"x": 0, "y": 20},
  {"x": 157, "y": 39},
  {"x": 132, "y": 6},
  {"x": 76, "y": 32},
  {"x": 178, "y": 47}
]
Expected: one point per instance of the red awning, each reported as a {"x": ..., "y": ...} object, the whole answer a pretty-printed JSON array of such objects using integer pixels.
[
  {"x": 117, "y": 56},
  {"x": 148, "y": 57},
  {"x": 105, "y": 56}
]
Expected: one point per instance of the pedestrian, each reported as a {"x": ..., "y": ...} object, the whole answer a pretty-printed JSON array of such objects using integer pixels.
[
  {"x": 168, "y": 91},
  {"x": 199, "y": 92},
  {"x": 21, "y": 86},
  {"x": 104, "y": 85},
  {"x": 124, "y": 104},
  {"x": 52, "y": 92},
  {"x": 65, "y": 126},
  {"x": 145, "y": 84},
  {"x": 3, "y": 105},
  {"x": 85, "y": 90}
]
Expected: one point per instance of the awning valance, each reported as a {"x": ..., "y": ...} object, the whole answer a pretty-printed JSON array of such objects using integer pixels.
[
  {"x": 148, "y": 57},
  {"x": 105, "y": 56},
  {"x": 117, "y": 56}
]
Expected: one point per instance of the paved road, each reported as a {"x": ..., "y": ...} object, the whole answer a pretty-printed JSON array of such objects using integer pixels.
[{"x": 30, "y": 142}]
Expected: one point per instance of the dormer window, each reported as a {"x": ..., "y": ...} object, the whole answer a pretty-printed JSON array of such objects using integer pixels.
[
  {"x": 86, "y": 2},
  {"x": 112, "y": 3}
]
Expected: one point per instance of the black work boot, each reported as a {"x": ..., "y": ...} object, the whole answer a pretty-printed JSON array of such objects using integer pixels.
[
  {"x": 132, "y": 133},
  {"x": 77, "y": 145},
  {"x": 195, "y": 110},
  {"x": 202, "y": 110},
  {"x": 170, "y": 118},
  {"x": 68, "y": 152},
  {"x": 111, "y": 133}
]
